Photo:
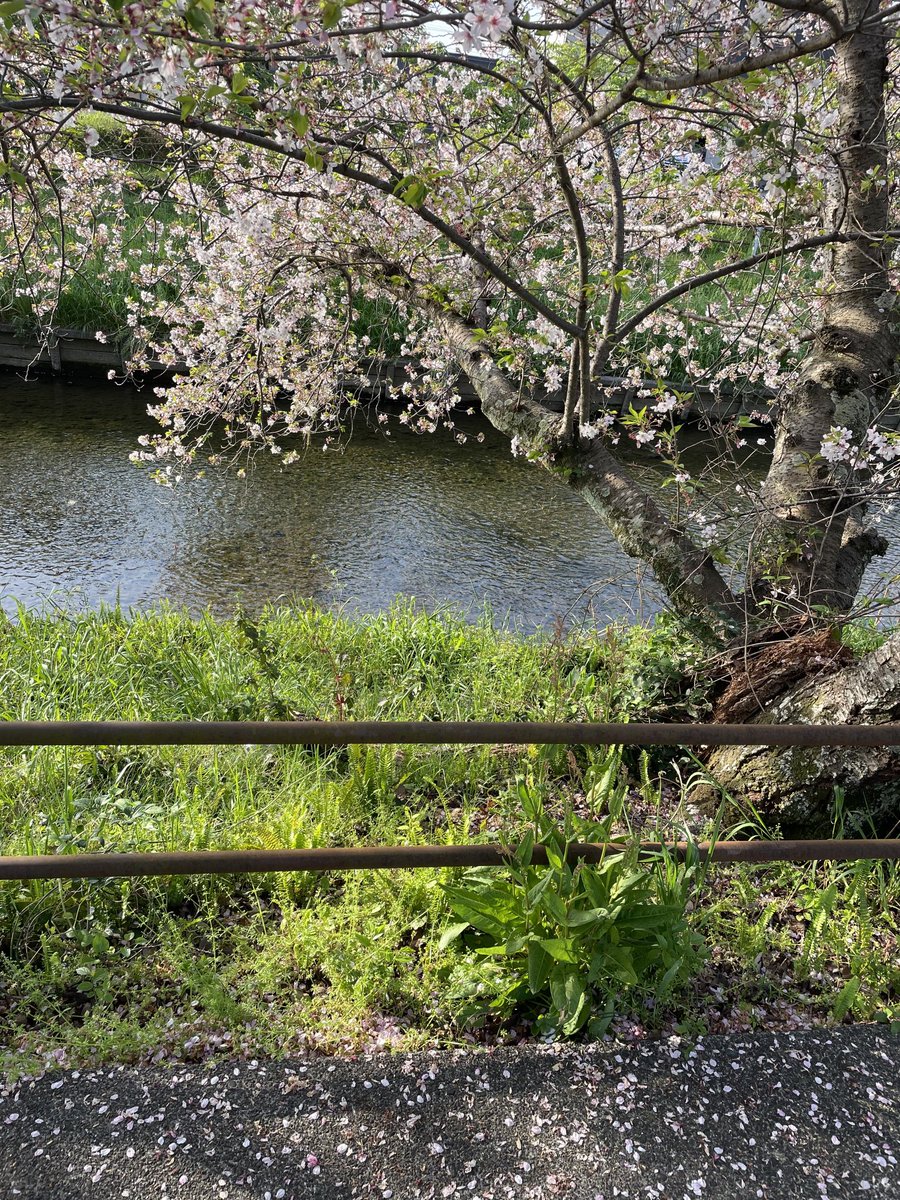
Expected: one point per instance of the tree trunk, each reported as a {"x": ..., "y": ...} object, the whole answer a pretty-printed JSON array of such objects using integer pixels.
[
  {"x": 810, "y": 548},
  {"x": 812, "y": 545},
  {"x": 795, "y": 787},
  {"x": 686, "y": 572}
]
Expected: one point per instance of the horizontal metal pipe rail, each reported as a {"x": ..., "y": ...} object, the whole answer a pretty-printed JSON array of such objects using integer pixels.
[
  {"x": 356, "y": 858},
  {"x": 344, "y": 733},
  {"x": 463, "y": 733}
]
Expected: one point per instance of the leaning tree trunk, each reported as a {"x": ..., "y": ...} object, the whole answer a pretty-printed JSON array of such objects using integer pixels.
[
  {"x": 795, "y": 787},
  {"x": 696, "y": 590}
]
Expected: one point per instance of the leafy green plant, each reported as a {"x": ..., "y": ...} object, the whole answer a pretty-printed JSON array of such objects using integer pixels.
[{"x": 575, "y": 935}]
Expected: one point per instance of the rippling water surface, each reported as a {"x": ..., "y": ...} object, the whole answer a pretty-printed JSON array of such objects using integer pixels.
[
  {"x": 404, "y": 515},
  {"x": 388, "y": 516}
]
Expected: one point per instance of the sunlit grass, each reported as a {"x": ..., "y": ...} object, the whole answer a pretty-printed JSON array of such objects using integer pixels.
[{"x": 188, "y": 966}]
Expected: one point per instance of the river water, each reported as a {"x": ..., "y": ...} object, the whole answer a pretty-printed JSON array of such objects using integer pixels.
[
  {"x": 405, "y": 515},
  {"x": 401, "y": 516}
]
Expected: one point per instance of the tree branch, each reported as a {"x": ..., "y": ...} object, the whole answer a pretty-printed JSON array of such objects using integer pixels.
[
  {"x": 264, "y": 142},
  {"x": 742, "y": 264},
  {"x": 699, "y": 79}
]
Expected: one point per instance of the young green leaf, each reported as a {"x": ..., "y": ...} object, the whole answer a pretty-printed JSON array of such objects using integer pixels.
[{"x": 451, "y": 933}]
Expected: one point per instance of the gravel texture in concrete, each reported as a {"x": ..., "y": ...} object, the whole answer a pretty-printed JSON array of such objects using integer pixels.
[{"x": 782, "y": 1116}]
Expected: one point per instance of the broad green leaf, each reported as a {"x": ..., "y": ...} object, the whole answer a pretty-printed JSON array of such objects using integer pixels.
[
  {"x": 197, "y": 18},
  {"x": 531, "y": 803},
  {"x": 599, "y": 1025},
  {"x": 596, "y": 886},
  {"x": 415, "y": 194},
  {"x": 451, "y": 933},
  {"x": 570, "y": 997},
  {"x": 299, "y": 122},
  {"x": 579, "y": 1015},
  {"x": 627, "y": 883},
  {"x": 481, "y": 912},
  {"x": 588, "y": 916},
  {"x": 559, "y": 984},
  {"x": 616, "y": 961},
  {"x": 621, "y": 965},
  {"x": 540, "y": 887},
  {"x": 554, "y": 907},
  {"x": 559, "y": 949},
  {"x": 525, "y": 849},
  {"x": 665, "y": 984},
  {"x": 554, "y": 858},
  {"x": 646, "y": 916},
  {"x": 599, "y": 793},
  {"x": 539, "y": 966}
]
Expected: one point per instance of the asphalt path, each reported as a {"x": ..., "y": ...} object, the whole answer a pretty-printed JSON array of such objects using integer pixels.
[{"x": 788, "y": 1116}]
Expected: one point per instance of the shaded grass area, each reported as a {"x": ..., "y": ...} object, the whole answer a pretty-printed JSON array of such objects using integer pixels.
[{"x": 186, "y": 967}]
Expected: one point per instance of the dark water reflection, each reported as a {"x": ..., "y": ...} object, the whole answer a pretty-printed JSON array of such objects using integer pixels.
[
  {"x": 405, "y": 515},
  {"x": 391, "y": 516}
]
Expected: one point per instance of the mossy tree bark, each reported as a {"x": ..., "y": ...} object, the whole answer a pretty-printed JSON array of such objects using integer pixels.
[{"x": 811, "y": 545}]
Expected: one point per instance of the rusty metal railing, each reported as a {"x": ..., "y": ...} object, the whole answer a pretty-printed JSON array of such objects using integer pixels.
[
  {"x": 331, "y": 734},
  {"x": 462, "y": 733}
]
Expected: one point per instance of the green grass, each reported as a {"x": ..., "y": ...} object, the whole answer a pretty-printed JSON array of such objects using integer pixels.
[{"x": 185, "y": 967}]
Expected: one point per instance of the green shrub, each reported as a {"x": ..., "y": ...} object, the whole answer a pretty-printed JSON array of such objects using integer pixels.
[{"x": 574, "y": 937}]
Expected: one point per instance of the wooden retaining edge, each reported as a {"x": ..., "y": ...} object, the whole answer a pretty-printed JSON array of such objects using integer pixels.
[
  {"x": 74, "y": 351},
  {"x": 64, "y": 350}
]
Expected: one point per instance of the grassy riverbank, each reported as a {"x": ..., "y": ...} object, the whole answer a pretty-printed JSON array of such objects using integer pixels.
[{"x": 186, "y": 967}]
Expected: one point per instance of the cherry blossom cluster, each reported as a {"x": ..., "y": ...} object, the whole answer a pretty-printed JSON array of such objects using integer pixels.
[
  {"x": 877, "y": 448},
  {"x": 332, "y": 176},
  {"x": 485, "y": 24}
]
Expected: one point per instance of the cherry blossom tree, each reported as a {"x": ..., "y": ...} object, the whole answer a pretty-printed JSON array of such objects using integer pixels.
[{"x": 552, "y": 199}]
